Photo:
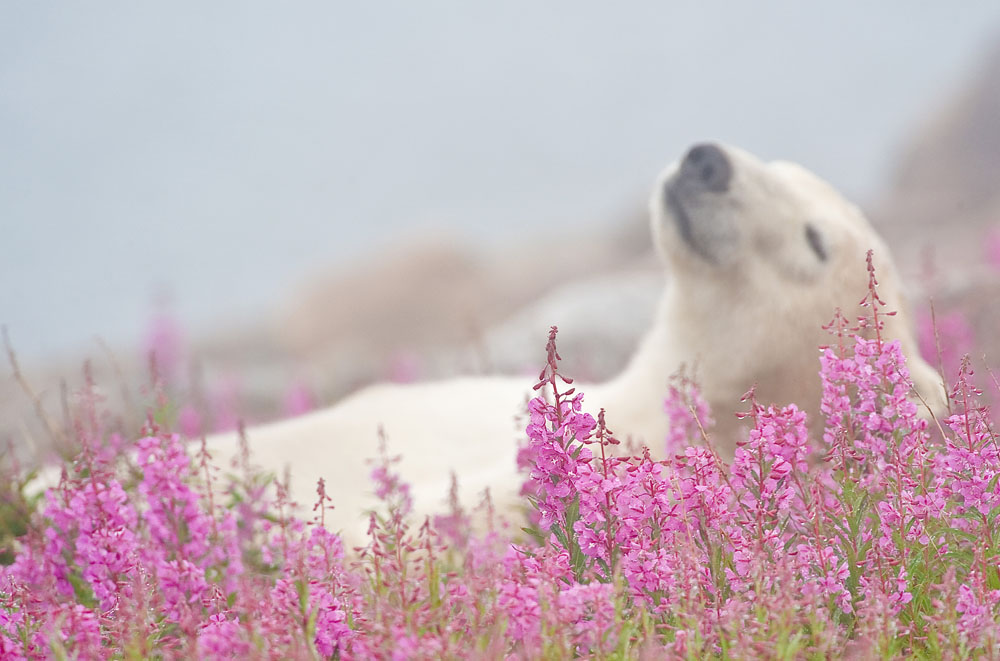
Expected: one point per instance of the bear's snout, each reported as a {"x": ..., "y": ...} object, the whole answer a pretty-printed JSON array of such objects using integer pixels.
[{"x": 706, "y": 166}]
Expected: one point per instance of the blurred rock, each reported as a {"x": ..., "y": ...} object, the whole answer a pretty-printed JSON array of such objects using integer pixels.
[
  {"x": 945, "y": 196},
  {"x": 433, "y": 305},
  {"x": 601, "y": 320},
  {"x": 942, "y": 213}
]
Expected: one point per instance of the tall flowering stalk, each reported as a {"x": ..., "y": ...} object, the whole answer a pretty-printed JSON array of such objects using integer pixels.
[{"x": 878, "y": 538}]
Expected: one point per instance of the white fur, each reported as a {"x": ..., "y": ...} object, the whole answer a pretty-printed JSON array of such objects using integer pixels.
[{"x": 751, "y": 314}]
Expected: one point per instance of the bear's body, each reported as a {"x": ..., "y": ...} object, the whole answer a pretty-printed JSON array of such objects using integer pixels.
[
  {"x": 759, "y": 256},
  {"x": 465, "y": 425}
]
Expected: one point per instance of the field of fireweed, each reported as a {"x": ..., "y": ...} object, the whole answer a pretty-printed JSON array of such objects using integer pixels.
[{"x": 876, "y": 540}]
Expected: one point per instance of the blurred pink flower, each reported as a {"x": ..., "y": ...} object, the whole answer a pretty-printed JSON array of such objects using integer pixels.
[
  {"x": 951, "y": 332},
  {"x": 298, "y": 400},
  {"x": 404, "y": 367},
  {"x": 189, "y": 422},
  {"x": 884, "y": 546},
  {"x": 224, "y": 405},
  {"x": 164, "y": 345},
  {"x": 992, "y": 247}
]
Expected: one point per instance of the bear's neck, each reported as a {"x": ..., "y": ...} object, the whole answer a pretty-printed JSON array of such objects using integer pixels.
[
  {"x": 655, "y": 359},
  {"x": 633, "y": 400}
]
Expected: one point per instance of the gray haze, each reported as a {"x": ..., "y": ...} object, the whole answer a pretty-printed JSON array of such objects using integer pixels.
[{"x": 223, "y": 151}]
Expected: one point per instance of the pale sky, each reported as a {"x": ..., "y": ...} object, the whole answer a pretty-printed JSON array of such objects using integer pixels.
[{"x": 223, "y": 151}]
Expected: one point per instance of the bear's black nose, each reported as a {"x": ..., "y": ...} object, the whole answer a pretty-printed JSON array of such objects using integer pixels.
[{"x": 708, "y": 165}]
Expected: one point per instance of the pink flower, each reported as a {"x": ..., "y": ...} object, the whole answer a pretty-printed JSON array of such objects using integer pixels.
[
  {"x": 688, "y": 414},
  {"x": 164, "y": 346},
  {"x": 945, "y": 338},
  {"x": 222, "y": 638},
  {"x": 992, "y": 248},
  {"x": 519, "y": 604},
  {"x": 589, "y": 613},
  {"x": 298, "y": 400},
  {"x": 189, "y": 422},
  {"x": 224, "y": 406},
  {"x": 685, "y": 556}
]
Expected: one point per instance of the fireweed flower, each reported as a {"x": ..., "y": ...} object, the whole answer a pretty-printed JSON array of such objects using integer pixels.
[
  {"x": 688, "y": 413},
  {"x": 882, "y": 547},
  {"x": 777, "y": 446},
  {"x": 944, "y": 338},
  {"x": 164, "y": 346},
  {"x": 222, "y": 638},
  {"x": 992, "y": 248},
  {"x": 90, "y": 534},
  {"x": 588, "y": 611}
]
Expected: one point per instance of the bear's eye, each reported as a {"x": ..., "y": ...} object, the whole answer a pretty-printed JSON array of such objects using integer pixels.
[{"x": 815, "y": 240}]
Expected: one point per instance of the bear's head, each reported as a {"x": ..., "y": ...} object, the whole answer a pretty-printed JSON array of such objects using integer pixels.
[{"x": 760, "y": 257}]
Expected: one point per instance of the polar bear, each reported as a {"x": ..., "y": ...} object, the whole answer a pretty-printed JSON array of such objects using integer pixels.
[{"x": 758, "y": 256}]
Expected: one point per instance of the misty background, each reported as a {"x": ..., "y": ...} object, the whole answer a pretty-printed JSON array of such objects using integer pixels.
[{"x": 219, "y": 154}]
